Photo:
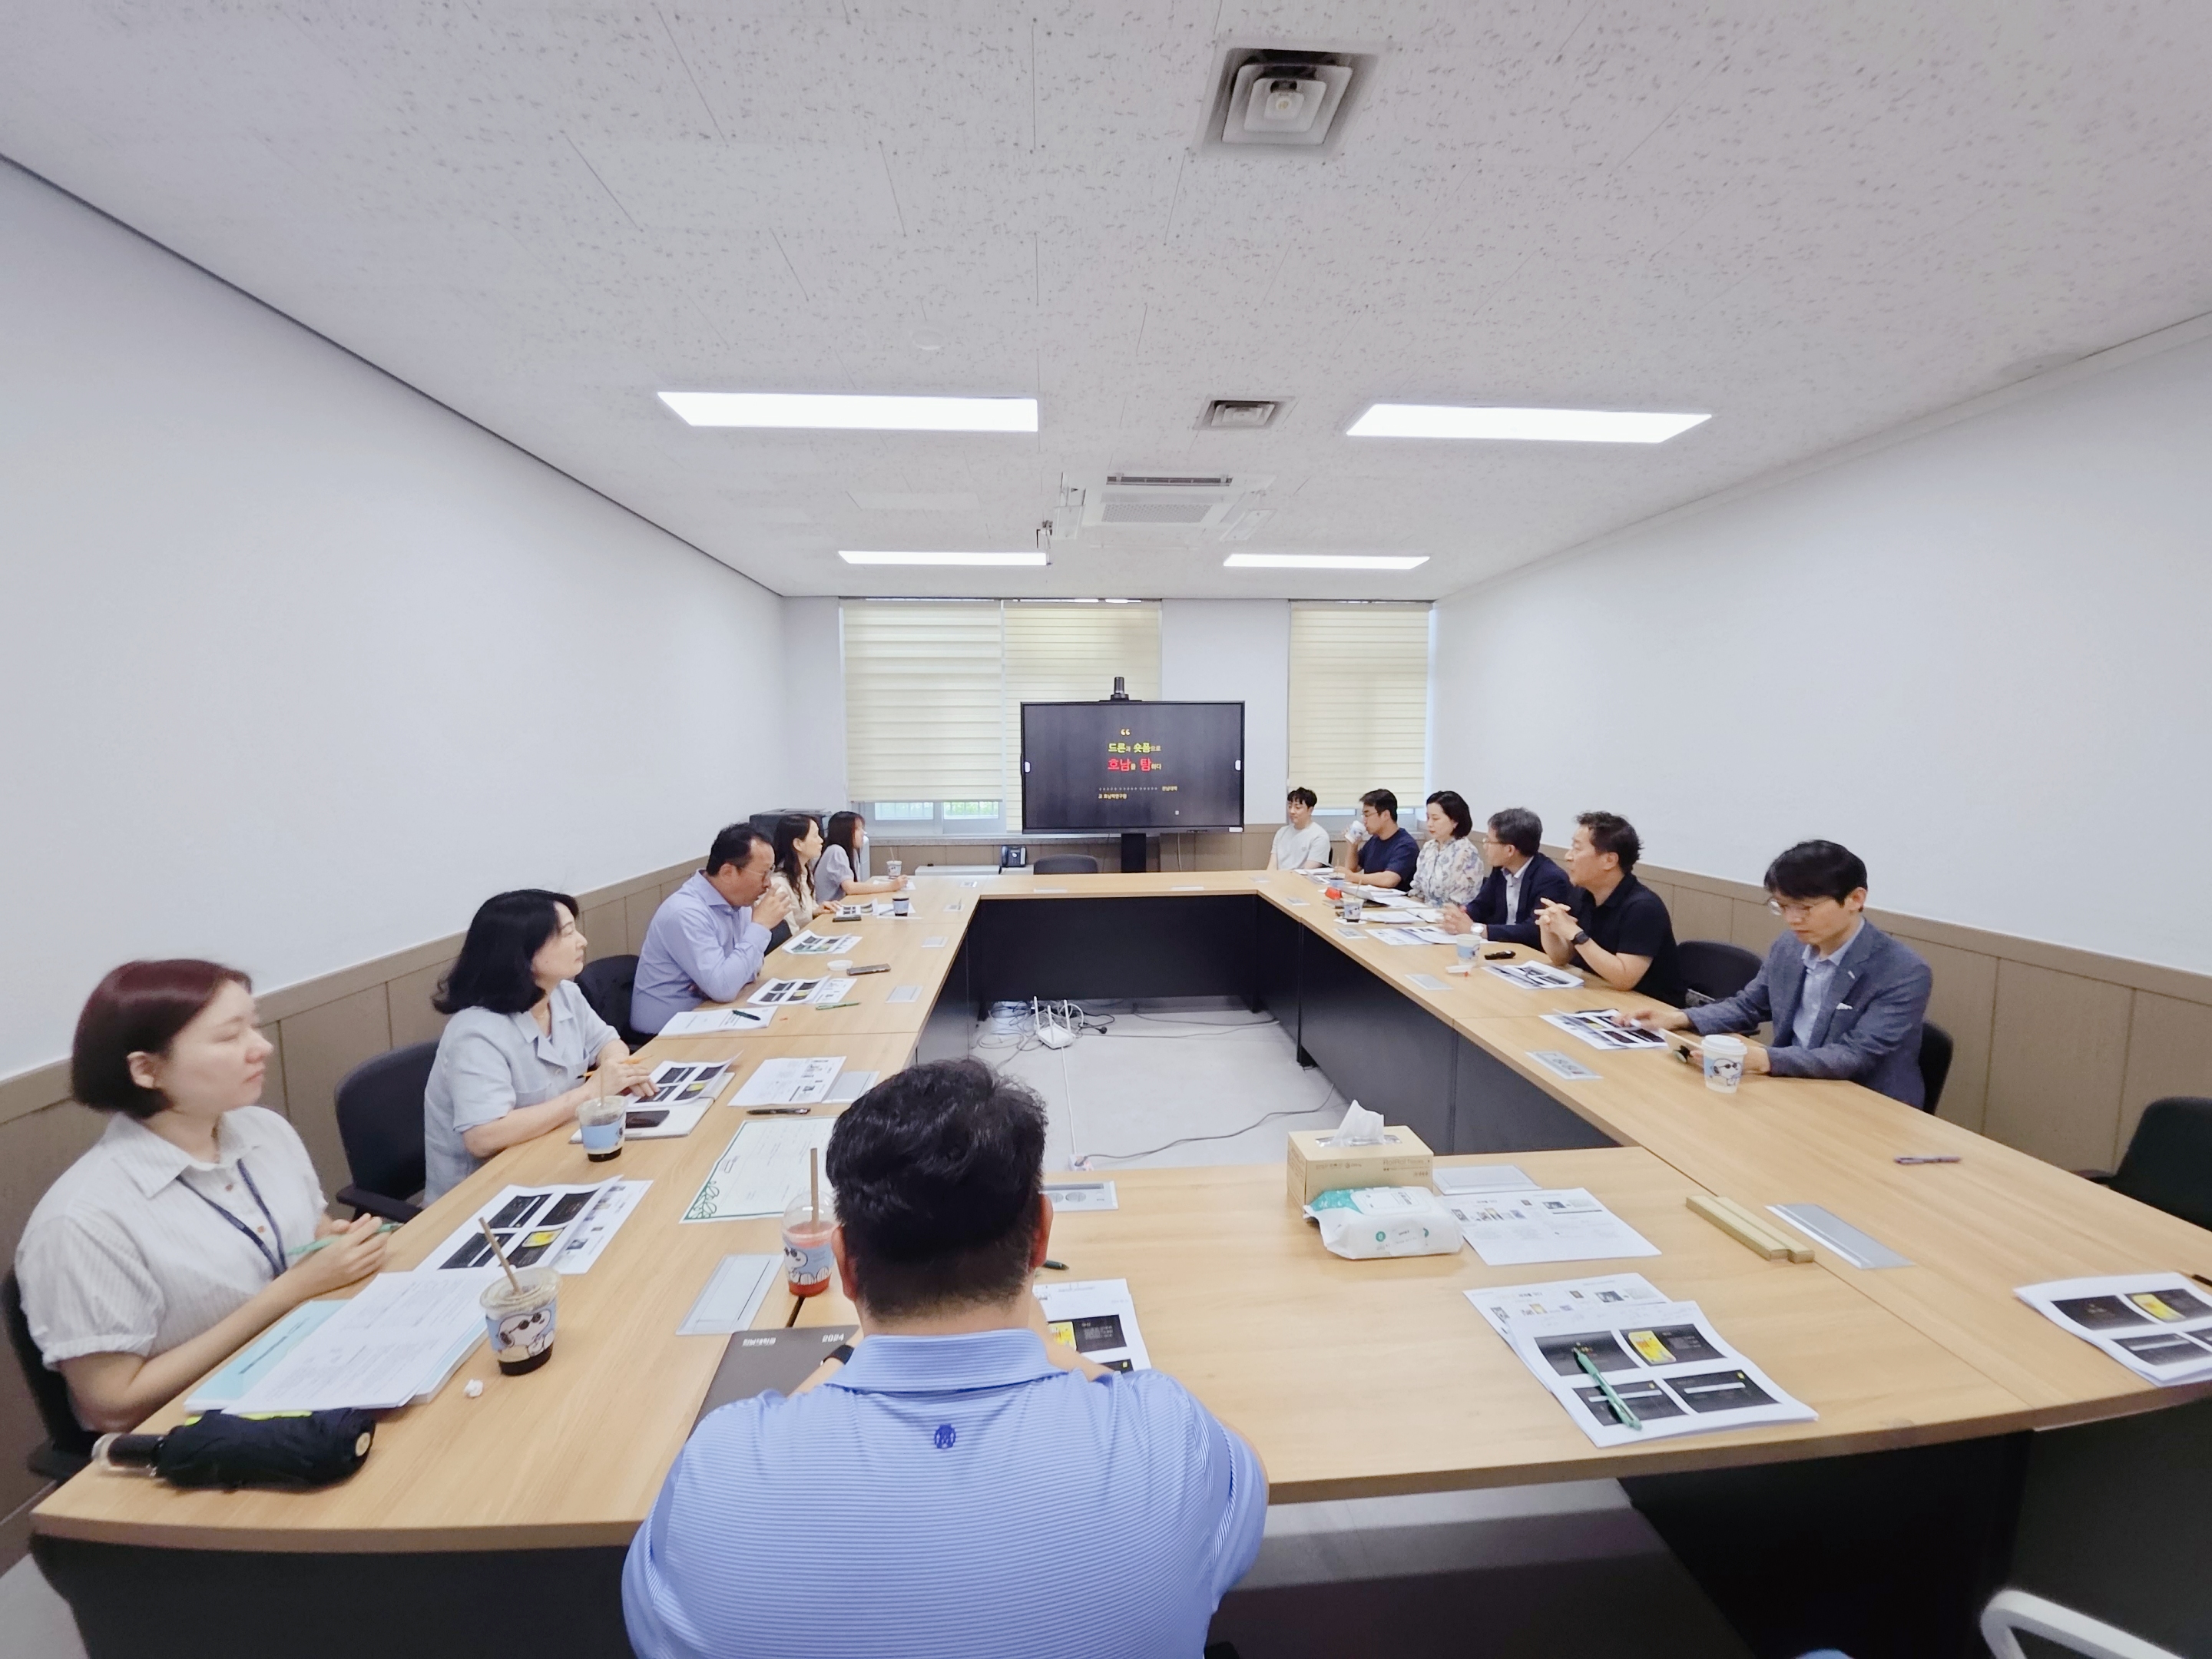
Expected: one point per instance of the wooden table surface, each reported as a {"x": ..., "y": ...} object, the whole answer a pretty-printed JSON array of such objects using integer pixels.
[{"x": 1350, "y": 1378}]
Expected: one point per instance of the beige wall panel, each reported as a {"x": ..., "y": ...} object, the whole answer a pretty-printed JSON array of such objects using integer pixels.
[
  {"x": 408, "y": 997},
  {"x": 2058, "y": 1058},
  {"x": 606, "y": 931},
  {"x": 2169, "y": 1053},
  {"x": 1963, "y": 1003},
  {"x": 1751, "y": 925},
  {"x": 321, "y": 1045},
  {"x": 638, "y": 910},
  {"x": 1701, "y": 915}
]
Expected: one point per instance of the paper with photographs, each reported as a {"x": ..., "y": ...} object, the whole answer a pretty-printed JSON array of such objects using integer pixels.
[
  {"x": 1535, "y": 976},
  {"x": 1598, "y": 1027},
  {"x": 763, "y": 1169},
  {"x": 1501, "y": 1305},
  {"x": 2158, "y": 1325},
  {"x": 566, "y": 1226},
  {"x": 815, "y": 993},
  {"x": 812, "y": 943},
  {"x": 683, "y": 1090},
  {"x": 791, "y": 1081},
  {"x": 1661, "y": 1369},
  {"x": 1097, "y": 1318},
  {"x": 1509, "y": 1229}
]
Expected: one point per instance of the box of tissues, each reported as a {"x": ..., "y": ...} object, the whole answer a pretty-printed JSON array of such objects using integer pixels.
[{"x": 1361, "y": 1152}]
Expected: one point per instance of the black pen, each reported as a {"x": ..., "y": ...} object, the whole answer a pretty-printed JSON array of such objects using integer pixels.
[
  {"x": 1061, "y": 1266},
  {"x": 2201, "y": 1279},
  {"x": 778, "y": 1111}
]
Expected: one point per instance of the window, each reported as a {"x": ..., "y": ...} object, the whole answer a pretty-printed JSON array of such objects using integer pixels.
[
  {"x": 933, "y": 691},
  {"x": 1359, "y": 701}
]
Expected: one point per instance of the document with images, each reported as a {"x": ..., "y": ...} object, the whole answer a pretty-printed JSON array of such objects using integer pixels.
[
  {"x": 815, "y": 993},
  {"x": 2158, "y": 1325},
  {"x": 395, "y": 1342},
  {"x": 567, "y": 1227},
  {"x": 1508, "y": 1229},
  {"x": 812, "y": 943},
  {"x": 1501, "y": 1305},
  {"x": 763, "y": 1168},
  {"x": 791, "y": 1081},
  {"x": 1096, "y": 1317},
  {"x": 713, "y": 1022},
  {"x": 1647, "y": 1371},
  {"x": 1535, "y": 976},
  {"x": 1598, "y": 1027},
  {"x": 1081, "y": 1195},
  {"x": 1413, "y": 936},
  {"x": 683, "y": 1090}
]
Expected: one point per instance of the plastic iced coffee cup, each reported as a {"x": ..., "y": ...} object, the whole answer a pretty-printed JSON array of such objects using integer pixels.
[
  {"x": 808, "y": 1266},
  {"x": 601, "y": 1119},
  {"x": 1723, "y": 1062},
  {"x": 520, "y": 1324}
]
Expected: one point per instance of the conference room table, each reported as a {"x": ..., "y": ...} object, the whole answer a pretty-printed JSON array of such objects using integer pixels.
[{"x": 502, "y": 1519}]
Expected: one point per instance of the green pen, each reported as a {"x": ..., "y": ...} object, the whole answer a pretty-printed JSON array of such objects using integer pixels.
[
  {"x": 1628, "y": 1418},
  {"x": 310, "y": 1248}
]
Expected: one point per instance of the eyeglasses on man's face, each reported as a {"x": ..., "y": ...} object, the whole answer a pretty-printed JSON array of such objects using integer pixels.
[{"x": 1795, "y": 912}]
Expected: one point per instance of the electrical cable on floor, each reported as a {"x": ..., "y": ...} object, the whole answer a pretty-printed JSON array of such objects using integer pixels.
[{"x": 1189, "y": 1140}]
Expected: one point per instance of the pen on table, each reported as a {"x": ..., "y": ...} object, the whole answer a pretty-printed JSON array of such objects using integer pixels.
[
  {"x": 778, "y": 1111},
  {"x": 1929, "y": 1158},
  {"x": 1061, "y": 1266},
  {"x": 1629, "y": 1418},
  {"x": 310, "y": 1248},
  {"x": 2200, "y": 1278}
]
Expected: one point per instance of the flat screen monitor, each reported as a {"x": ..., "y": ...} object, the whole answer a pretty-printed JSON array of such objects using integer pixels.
[{"x": 1109, "y": 768}]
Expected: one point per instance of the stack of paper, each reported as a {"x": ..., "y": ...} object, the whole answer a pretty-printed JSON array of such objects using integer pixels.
[
  {"x": 791, "y": 1081},
  {"x": 683, "y": 1090},
  {"x": 1536, "y": 975},
  {"x": 1629, "y": 1365},
  {"x": 394, "y": 1343},
  {"x": 566, "y": 1226},
  {"x": 1598, "y": 1027},
  {"x": 1097, "y": 1318},
  {"x": 1510, "y": 1229},
  {"x": 2158, "y": 1325},
  {"x": 817, "y": 993}
]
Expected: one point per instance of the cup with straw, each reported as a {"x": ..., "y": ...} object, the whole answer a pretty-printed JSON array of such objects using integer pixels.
[
  {"x": 809, "y": 1220},
  {"x": 521, "y": 1311}
]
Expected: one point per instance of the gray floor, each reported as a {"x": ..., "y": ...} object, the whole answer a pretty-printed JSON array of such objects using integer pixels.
[{"x": 34, "y": 1622}]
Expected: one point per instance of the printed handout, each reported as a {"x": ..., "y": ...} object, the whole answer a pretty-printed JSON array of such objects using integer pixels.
[
  {"x": 714, "y": 1022},
  {"x": 816, "y": 993},
  {"x": 791, "y": 1080},
  {"x": 1508, "y": 1229},
  {"x": 1096, "y": 1317},
  {"x": 762, "y": 1170},
  {"x": 1501, "y": 1305},
  {"x": 1536, "y": 975},
  {"x": 566, "y": 1226},
  {"x": 1598, "y": 1027},
  {"x": 2158, "y": 1325},
  {"x": 397, "y": 1341},
  {"x": 812, "y": 943}
]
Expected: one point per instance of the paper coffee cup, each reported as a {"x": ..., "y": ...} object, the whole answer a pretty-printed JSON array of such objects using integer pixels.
[
  {"x": 1723, "y": 1062},
  {"x": 520, "y": 1325}
]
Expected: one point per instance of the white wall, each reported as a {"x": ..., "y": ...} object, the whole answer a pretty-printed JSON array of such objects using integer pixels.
[
  {"x": 300, "y": 666},
  {"x": 1978, "y": 657},
  {"x": 814, "y": 673},
  {"x": 1232, "y": 651}
]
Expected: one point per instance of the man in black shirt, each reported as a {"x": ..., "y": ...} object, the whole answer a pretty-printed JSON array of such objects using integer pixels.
[{"x": 1618, "y": 928}]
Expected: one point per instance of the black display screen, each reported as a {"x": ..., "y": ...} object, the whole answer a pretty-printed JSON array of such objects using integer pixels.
[{"x": 1108, "y": 767}]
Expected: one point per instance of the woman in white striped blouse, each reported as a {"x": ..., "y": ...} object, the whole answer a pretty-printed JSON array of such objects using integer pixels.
[{"x": 173, "y": 1241}]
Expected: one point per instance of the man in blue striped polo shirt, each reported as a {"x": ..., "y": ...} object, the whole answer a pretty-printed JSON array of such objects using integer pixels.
[{"x": 960, "y": 1485}]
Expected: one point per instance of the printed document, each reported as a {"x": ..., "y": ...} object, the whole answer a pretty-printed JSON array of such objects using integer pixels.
[
  {"x": 791, "y": 1080},
  {"x": 712, "y": 1022},
  {"x": 397, "y": 1341},
  {"x": 1508, "y": 1229},
  {"x": 1096, "y": 1317},
  {"x": 2158, "y": 1325},
  {"x": 1535, "y": 976},
  {"x": 762, "y": 1170},
  {"x": 1598, "y": 1027},
  {"x": 566, "y": 1226}
]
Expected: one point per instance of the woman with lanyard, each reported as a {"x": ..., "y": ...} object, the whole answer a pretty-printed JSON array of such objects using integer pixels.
[{"x": 186, "y": 1230}]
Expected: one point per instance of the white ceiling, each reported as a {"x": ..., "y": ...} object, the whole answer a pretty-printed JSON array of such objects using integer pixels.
[{"x": 1815, "y": 219}]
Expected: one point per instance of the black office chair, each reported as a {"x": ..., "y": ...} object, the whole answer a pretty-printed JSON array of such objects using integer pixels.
[
  {"x": 381, "y": 1125},
  {"x": 1935, "y": 1062},
  {"x": 607, "y": 983},
  {"x": 68, "y": 1445},
  {"x": 1713, "y": 969},
  {"x": 2168, "y": 1162},
  {"x": 1066, "y": 863}
]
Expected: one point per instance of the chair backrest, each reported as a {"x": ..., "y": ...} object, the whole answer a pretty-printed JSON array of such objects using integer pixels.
[
  {"x": 1934, "y": 1063},
  {"x": 1066, "y": 863},
  {"x": 1714, "y": 969},
  {"x": 379, "y": 1106},
  {"x": 606, "y": 983},
  {"x": 49, "y": 1393},
  {"x": 2011, "y": 1612},
  {"x": 2168, "y": 1165}
]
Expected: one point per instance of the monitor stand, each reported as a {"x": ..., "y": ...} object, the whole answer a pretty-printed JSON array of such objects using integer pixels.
[{"x": 1132, "y": 852}]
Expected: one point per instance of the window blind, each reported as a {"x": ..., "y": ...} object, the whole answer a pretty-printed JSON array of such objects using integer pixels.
[
  {"x": 1071, "y": 653},
  {"x": 923, "y": 683},
  {"x": 1359, "y": 701}
]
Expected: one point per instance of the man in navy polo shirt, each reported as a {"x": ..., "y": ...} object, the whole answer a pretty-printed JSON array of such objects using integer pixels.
[{"x": 1389, "y": 856}]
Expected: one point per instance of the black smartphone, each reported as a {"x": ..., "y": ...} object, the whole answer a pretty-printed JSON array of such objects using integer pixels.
[
  {"x": 1498, "y": 956},
  {"x": 871, "y": 967}
]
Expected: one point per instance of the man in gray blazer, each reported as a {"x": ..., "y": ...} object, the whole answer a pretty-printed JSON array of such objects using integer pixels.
[{"x": 1846, "y": 1000}]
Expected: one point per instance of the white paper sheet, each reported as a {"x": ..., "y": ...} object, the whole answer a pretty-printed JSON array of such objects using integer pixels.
[
  {"x": 2158, "y": 1325},
  {"x": 712, "y": 1022},
  {"x": 812, "y": 943},
  {"x": 396, "y": 1341},
  {"x": 1096, "y": 1317},
  {"x": 1535, "y": 976},
  {"x": 1482, "y": 1178},
  {"x": 1082, "y": 1195},
  {"x": 1502, "y": 1304},
  {"x": 1510, "y": 1229},
  {"x": 791, "y": 1081},
  {"x": 540, "y": 1225},
  {"x": 1598, "y": 1027},
  {"x": 761, "y": 1171}
]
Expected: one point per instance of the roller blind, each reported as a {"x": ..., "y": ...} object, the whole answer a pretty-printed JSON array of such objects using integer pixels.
[
  {"x": 1360, "y": 701},
  {"x": 1071, "y": 653},
  {"x": 923, "y": 682}
]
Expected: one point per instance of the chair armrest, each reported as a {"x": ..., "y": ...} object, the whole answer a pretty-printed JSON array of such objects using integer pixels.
[
  {"x": 391, "y": 1209},
  {"x": 2102, "y": 1177}
]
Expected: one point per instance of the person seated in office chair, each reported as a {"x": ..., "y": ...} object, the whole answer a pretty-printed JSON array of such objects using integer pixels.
[
  {"x": 798, "y": 845},
  {"x": 1382, "y": 855},
  {"x": 1616, "y": 926},
  {"x": 842, "y": 870},
  {"x": 513, "y": 1060},
  {"x": 960, "y": 1481},
  {"x": 708, "y": 940},
  {"x": 1300, "y": 844},
  {"x": 1521, "y": 879},
  {"x": 177, "y": 1237},
  {"x": 1451, "y": 866},
  {"x": 1846, "y": 1000}
]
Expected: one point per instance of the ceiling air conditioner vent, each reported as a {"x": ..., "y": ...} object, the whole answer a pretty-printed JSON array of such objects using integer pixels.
[
  {"x": 1138, "y": 500},
  {"x": 1283, "y": 99}
]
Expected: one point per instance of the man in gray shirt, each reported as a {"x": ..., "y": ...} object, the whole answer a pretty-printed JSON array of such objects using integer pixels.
[{"x": 709, "y": 936}]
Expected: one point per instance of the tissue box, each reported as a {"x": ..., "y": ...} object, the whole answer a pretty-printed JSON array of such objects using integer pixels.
[{"x": 1399, "y": 1159}]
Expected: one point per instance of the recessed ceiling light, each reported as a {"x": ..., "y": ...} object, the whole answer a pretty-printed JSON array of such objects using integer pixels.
[
  {"x": 944, "y": 558},
  {"x": 1324, "y": 561},
  {"x": 1572, "y": 426},
  {"x": 835, "y": 411}
]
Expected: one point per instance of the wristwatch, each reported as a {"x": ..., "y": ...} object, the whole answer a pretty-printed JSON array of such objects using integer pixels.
[
  {"x": 842, "y": 1353},
  {"x": 1582, "y": 937}
]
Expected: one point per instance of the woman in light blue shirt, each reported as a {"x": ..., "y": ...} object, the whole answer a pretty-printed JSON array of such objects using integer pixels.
[{"x": 512, "y": 1063}]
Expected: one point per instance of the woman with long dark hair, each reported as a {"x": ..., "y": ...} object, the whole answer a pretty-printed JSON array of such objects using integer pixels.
[
  {"x": 842, "y": 871},
  {"x": 182, "y": 1233},
  {"x": 512, "y": 1063},
  {"x": 798, "y": 844}
]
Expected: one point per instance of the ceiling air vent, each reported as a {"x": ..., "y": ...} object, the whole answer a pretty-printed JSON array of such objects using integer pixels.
[
  {"x": 1283, "y": 98},
  {"x": 1240, "y": 414},
  {"x": 1150, "y": 502}
]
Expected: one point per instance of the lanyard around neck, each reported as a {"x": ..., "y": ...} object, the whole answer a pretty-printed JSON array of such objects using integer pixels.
[{"x": 272, "y": 1248}]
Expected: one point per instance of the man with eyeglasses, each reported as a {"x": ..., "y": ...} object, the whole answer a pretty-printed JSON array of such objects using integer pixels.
[
  {"x": 1846, "y": 1000},
  {"x": 1521, "y": 878}
]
